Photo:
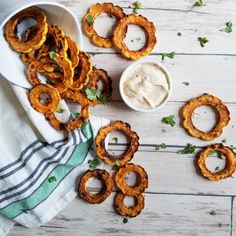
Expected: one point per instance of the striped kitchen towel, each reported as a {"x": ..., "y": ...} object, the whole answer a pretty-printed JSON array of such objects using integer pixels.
[{"x": 39, "y": 166}]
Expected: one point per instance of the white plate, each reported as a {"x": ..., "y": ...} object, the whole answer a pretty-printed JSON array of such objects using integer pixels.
[{"x": 11, "y": 67}]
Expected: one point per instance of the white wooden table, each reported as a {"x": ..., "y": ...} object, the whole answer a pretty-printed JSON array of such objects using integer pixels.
[{"x": 178, "y": 200}]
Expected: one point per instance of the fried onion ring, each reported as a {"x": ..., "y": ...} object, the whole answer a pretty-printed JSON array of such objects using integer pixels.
[
  {"x": 62, "y": 62},
  {"x": 123, "y": 210},
  {"x": 50, "y": 104},
  {"x": 73, "y": 51},
  {"x": 39, "y": 37},
  {"x": 96, "y": 76},
  {"x": 84, "y": 69},
  {"x": 118, "y": 37},
  {"x": 95, "y": 11},
  {"x": 128, "y": 154},
  {"x": 219, "y": 107},
  {"x": 72, "y": 124},
  {"x": 222, "y": 174},
  {"x": 123, "y": 186},
  {"x": 103, "y": 194}
]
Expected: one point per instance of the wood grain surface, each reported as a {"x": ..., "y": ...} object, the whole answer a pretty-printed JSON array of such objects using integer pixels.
[{"x": 179, "y": 201}]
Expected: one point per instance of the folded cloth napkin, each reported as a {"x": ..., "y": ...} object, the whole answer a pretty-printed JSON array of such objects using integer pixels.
[{"x": 39, "y": 166}]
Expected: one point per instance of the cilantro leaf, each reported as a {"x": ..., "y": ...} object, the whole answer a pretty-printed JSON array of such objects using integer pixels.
[
  {"x": 115, "y": 139},
  {"x": 217, "y": 152},
  {"x": 93, "y": 94},
  {"x": 186, "y": 83},
  {"x": 48, "y": 81},
  {"x": 203, "y": 41},
  {"x": 117, "y": 165},
  {"x": 170, "y": 55},
  {"x": 90, "y": 19},
  {"x": 169, "y": 120},
  {"x": 217, "y": 168},
  {"x": 228, "y": 28},
  {"x": 189, "y": 149},
  {"x": 125, "y": 220},
  {"x": 137, "y": 5},
  {"x": 199, "y": 3},
  {"x": 53, "y": 55},
  {"x": 52, "y": 179},
  {"x": 93, "y": 163},
  {"x": 160, "y": 146},
  {"x": 60, "y": 110},
  {"x": 179, "y": 34}
]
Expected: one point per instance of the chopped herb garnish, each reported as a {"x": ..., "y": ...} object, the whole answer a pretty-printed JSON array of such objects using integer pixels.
[
  {"x": 217, "y": 152},
  {"x": 179, "y": 34},
  {"x": 199, "y": 3},
  {"x": 189, "y": 149},
  {"x": 125, "y": 220},
  {"x": 186, "y": 83},
  {"x": 169, "y": 120},
  {"x": 117, "y": 165},
  {"x": 93, "y": 94},
  {"x": 137, "y": 5},
  {"x": 203, "y": 41},
  {"x": 115, "y": 139},
  {"x": 53, "y": 55},
  {"x": 170, "y": 55},
  {"x": 52, "y": 179},
  {"x": 228, "y": 28},
  {"x": 93, "y": 163},
  {"x": 90, "y": 19},
  {"x": 224, "y": 140},
  {"x": 60, "y": 110},
  {"x": 48, "y": 81},
  {"x": 160, "y": 146},
  {"x": 135, "y": 10},
  {"x": 217, "y": 168}
]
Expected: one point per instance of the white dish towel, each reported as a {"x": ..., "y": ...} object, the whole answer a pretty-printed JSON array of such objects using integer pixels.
[{"x": 39, "y": 166}]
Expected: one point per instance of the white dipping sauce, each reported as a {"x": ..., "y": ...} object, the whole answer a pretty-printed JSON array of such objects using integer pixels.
[{"x": 146, "y": 86}]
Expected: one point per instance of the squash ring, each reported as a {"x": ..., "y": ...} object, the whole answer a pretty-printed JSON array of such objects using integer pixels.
[
  {"x": 95, "y": 11},
  {"x": 64, "y": 64},
  {"x": 118, "y": 37},
  {"x": 105, "y": 192},
  {"x": 37, "y": 40},
  {"x": 123, "y": 210},
  {"x": 123, "y": 186},
  {"x": 214, "y": 102},
  {"x": 72, "y": 51},
  {"x": 222, "y": 174},
  {"x": 100, "y": 75},
  {"x": 81, "y": 119},
  {"x": 35, "y": 95},
  {"x": 128, "y": 154},
  {"x": 85, "y": 68}
]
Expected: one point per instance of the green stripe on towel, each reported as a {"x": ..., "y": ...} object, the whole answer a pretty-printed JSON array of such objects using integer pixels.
[{"x": 46, "y": 188}]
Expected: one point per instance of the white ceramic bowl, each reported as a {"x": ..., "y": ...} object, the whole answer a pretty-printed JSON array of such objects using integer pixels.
[
  {"x": 124, "y": 78},
  {"x": 11, "y": 67}
]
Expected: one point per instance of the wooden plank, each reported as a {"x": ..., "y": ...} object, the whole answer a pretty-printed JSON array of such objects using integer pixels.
[
  {"x": 168, "y": 215},
  {"x": 174, "y": 173},
  {"x": 152, "y": 130},
  {"x": 206, "y": 74},
  {"x": 210, "y": 20}
]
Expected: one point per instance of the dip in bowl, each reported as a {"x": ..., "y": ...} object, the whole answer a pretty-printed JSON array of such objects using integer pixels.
[{"x": 145, "y": 86}]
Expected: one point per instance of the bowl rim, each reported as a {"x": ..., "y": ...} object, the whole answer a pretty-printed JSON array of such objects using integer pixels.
[
  {"x": 123, "y": 78},
  {"x": 38, "y": 3}
]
